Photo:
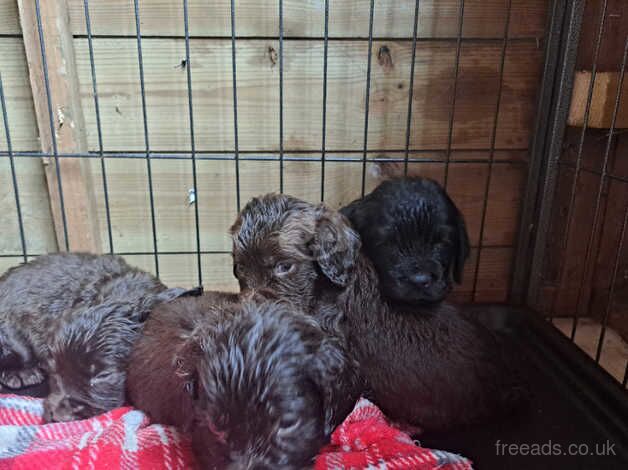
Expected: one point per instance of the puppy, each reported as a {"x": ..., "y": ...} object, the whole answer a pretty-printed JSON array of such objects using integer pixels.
[
  {"x": 437, "y": 370},
  {"x": 414, "y": 235},
  {"x": 257, "y": 385},
  {"x": 73, "y": 318}
]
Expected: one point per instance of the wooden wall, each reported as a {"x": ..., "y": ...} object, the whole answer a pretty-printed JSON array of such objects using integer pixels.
[{"x": 163, "y": 44}]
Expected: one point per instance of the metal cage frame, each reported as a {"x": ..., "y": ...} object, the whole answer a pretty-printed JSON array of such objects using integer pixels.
[{"x": 561, "y": 43}]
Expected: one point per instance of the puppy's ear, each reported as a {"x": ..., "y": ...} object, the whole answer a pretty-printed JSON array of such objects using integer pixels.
[
  {"x": 336, "y": 377},
  {"x": 462, "y": 248},
  {"x": 335, "y": 246}
]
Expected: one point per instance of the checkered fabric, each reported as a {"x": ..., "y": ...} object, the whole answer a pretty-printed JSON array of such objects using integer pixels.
[{"x": 124, "y": 439}]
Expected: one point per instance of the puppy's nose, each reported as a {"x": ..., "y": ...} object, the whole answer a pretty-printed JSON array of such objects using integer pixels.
[{"x": 421, "y": 279}]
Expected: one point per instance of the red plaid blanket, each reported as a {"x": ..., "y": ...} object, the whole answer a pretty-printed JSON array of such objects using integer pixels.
[{"x": 124, "y": 438}]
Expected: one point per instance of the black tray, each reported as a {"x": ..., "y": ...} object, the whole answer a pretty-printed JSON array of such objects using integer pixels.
[{"x": 575, "y": 403}]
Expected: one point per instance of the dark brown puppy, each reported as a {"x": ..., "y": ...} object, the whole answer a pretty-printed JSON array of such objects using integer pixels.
[
  {"x": 73, "y": 318},
  {"x": 256, "y": 385},
  {"x": 414, "y": 235},
  {"x": 434, "y": 370}
]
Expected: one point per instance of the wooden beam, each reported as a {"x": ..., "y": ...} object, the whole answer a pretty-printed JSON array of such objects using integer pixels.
[
  {"x": 613, "y": 37},
  {"x": 602, "y": 100},
  {"x": 306, "y": 18},
  {"x": 68, "y": 125}
]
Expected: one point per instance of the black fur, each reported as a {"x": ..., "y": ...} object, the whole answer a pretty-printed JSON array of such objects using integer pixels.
[
  {"x": 257, "y": 385},
  {"x": 414, "y": 235},
  {"x": 73, "y": 318}
]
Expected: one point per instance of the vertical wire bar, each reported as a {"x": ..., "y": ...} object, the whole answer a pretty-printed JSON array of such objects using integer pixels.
[
  {"x": 103, "y": 169},
  {"x": 579, "y": 160},
  {"x": 16, "y": 193},
  {"x": 53, "y": 137},
  {"x": 611, "y": 293},
  {"x": 411, "y": 88},
  {"x": 188, "y": 68},
  {"x": 620, "y": 247},
  {"x": 625, "y": 381},
  {"x": 140, "y": 63},
  {"x": 368, "y": 96},
  {"x": 452, "y": 110},
  {"x": 324, "y": 131},
  {"x": 235, "y": 106},
  {"x": 492, "y": 147},
  {"x": 281, "y": 96}
]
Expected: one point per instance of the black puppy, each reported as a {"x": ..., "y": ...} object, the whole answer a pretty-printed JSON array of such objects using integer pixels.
[
  {"x": 414, "y": 235},
  {"x": 258, "y": 385},
  {"x": 73, "y": 318}
]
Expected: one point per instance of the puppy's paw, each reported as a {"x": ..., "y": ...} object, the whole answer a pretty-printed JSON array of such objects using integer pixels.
[{"x": 17, "y": 379}]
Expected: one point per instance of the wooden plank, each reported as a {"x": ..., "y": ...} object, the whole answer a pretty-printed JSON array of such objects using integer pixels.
[
  {"x": 18, "y": 96},
  {"x": 613, "y": 36},
  {"x": 130, "y": 210},
  {"x": 494, "y": 274},
  {"x": 36, "y": 218},
  {"x": 9, "y": 19},
  {"x": 305, "y": 18},
  {"x": 258, "y": 95},
  {"x": 69, "y": 127},
  {"x": 602, "y": 101},
  {"x": 504, "y": 202},
  {"x": 180, "y": 270}
]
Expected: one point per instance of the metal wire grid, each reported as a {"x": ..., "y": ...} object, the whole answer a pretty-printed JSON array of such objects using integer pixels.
[
  {"x": 552, "y": 154},
  {"x": 364, "y": 156},
  {"x": 361, "y": 156}
]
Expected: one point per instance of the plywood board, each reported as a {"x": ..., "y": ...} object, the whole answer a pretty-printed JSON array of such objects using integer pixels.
[
  {"x": 258, "y": 95},
  {"x": 305, "y": 18}
]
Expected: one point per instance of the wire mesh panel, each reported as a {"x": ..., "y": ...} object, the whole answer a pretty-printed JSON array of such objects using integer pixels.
[
  {"x": 192, "y": 107},
  {"x": 580, "y": 257}
]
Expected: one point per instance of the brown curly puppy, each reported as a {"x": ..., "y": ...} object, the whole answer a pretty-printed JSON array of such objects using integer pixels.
[
  {"x": 73, "y": 318},
  {"x": 256, "y": 384}
]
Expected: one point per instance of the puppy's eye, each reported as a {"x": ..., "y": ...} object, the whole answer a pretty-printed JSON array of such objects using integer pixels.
[{"x": 281, "y": 269}]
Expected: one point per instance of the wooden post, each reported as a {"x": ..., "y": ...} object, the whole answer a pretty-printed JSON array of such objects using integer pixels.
[{"x": 68, "y": 122}]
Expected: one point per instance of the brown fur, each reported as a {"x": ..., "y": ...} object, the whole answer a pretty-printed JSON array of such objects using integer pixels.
[
  {"x": 256, "y": 384},
  {"x": 73, "y": 318},
  {"x": 426, "y": 370}
]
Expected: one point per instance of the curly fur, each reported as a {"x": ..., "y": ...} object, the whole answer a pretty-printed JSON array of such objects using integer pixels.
[
  {"x": 437, "y": 370},
  {"x": 414, "y": 235},
  {"x": 257, "y": 385},
  {"x": 73, "y": 318}
]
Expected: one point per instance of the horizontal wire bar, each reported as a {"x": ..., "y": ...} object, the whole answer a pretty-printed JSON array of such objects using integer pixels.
[
  {"x": 133, "y": 153},
  {"x": 270, "y": 158},
  {"x": 534, "y": 39},
  {"x": 204, "y": 252}
]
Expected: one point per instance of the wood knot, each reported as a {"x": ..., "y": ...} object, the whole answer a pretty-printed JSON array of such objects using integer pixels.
[
  {"x": 272, "y": 56},
  {"x": 384, "y": 58}
]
